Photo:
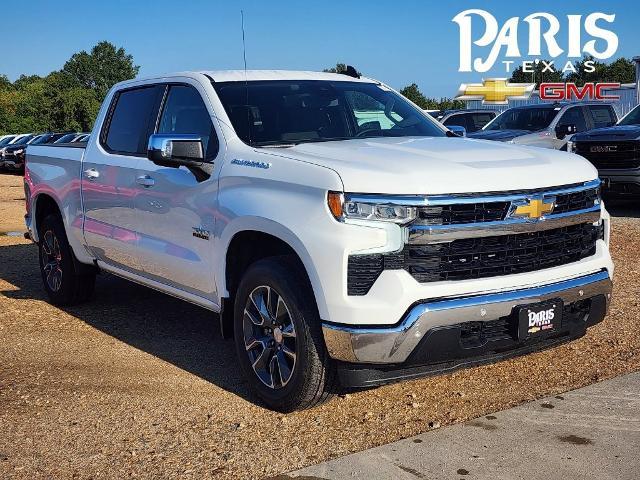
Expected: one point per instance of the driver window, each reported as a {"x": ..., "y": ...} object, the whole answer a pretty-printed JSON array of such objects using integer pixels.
[
  {"x": 574, "y": 116},
  {"x": 370, "y": 113},
  {"x": 185, "y": 112}
]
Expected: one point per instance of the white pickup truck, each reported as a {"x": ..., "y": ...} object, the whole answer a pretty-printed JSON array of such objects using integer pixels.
[{"x": 344, "y": 237}]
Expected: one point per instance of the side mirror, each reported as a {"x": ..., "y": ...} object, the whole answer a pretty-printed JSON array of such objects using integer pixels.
[
  {"x": 458, "y": 130},
  {"x": 564, "y": 130},
  {"x": 174, "y": 150}
]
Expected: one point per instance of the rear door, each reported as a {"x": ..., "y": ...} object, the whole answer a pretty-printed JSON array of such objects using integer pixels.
[
  {"x": 175, "y": 207},
  {"x": 109, "y": 176}
]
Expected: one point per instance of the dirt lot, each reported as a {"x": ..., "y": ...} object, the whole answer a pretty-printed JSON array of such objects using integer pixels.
[{"x": 136, "y": 383}]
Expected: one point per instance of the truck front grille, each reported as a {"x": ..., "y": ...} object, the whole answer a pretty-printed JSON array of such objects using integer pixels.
[
  {"x": 475, "y": 258},
  {"x": 611, "y": 155},
  {"x": 465, "y": 213}
]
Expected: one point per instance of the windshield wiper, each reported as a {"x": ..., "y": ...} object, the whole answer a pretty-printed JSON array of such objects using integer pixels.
[{"x": 273, "y": 144}]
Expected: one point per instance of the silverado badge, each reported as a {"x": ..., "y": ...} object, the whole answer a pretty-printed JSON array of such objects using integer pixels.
[{"x": 200, "y": 232}]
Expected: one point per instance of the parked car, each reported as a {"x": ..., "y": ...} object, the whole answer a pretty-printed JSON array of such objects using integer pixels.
[
  {"x": 67, "y": 138},
  {"x": 50, "y": 137},
  {"x": 470, "y": 120},
  {"x": 548, "y": 125},
  {"x": 6, "y": 139},
  {"x": 8, "y": 152},
  {"x": 82, "y": 137},
  {"x": 339, "y": 249},
  {"x": 615, "y": 152},
  {"x": 12, "y": 140},
  {"x": 13, "y": 156}
]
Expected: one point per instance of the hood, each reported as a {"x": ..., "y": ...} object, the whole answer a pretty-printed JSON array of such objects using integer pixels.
[
  {"x": 498, "y": 135},
  {"x": 617, "y": 132},
  {"x": 440, "y": 165},
  {"x": 11, "y": 148}
]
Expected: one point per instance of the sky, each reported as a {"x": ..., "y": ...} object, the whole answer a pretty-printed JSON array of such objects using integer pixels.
[{"x": 398, "y": 43}]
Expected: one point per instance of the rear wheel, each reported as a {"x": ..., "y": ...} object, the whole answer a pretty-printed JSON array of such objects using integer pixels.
[
  {"x": 278, "y": 336},
  {"x": 64, "y": 284}
]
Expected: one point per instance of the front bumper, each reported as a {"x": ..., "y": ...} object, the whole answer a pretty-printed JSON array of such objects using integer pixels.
[
  {"x": 620, "y": 183},
  {"x": 12, "y": 163},
  {"x": 419, "y": 337}
]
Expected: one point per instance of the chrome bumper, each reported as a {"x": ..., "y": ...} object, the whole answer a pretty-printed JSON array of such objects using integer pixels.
[{"x": 393, "y": 345}]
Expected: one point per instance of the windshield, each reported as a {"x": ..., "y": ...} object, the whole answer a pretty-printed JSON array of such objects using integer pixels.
[
  {"x": 5, "y": 141},
  {"x": 23, "y": 140},
  {"x": 281, "y": 112},
  {"x": 66, "y": 138},
  {"x": 633, "y": 118},
  {"x": 41, "y": 139},
  {"x": 531, "y": 119}
]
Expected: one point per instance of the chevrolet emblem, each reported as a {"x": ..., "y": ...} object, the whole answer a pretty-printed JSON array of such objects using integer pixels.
[
  {"x": 534, "y": 208},
  {"x": 495, "y": 91}
]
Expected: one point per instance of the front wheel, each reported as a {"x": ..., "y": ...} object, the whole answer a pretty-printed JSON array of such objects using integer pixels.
[
  {"x": 278, "y": 336},
  {"x": 63, "y": 283}
]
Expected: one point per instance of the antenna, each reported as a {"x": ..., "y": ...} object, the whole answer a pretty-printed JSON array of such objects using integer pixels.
[{"x": 246, "y": 83}]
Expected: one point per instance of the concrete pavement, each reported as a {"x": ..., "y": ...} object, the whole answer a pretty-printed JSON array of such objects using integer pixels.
[{"x": 590, "y": 433}]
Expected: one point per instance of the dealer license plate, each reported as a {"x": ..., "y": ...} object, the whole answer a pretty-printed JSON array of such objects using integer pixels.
[{"x": 540, "y": 318}]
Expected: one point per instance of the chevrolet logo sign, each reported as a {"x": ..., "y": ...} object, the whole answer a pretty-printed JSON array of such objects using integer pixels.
[
  {"x": 533, "y": 208},
  {"x": 495, "y": 91}
]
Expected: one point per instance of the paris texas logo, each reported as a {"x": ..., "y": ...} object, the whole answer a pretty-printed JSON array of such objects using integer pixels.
[{"x": 544, "y": 30}]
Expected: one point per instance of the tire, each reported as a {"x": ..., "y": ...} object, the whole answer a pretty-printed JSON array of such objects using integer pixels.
[
  {"x": 64, "y": 284},
  {"x": 284, "y": 383}
]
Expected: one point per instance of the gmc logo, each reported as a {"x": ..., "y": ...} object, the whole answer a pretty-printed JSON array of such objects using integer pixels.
[
  {"x": 571, "y": 91},
  {"x": 604, "y": 148}
]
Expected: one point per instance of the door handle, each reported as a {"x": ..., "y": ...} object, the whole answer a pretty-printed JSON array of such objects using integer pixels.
[
  {"x": 146, "y": 181},
  {"x": 91, "y": 174}
]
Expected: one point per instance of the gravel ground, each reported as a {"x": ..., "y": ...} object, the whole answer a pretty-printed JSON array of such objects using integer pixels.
[{"x": 139, "y": 384}]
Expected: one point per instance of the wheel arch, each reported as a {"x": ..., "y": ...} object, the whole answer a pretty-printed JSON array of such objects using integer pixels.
[
  {"x": 239, "y": 242},
  {"x": 43, "y": 205}
]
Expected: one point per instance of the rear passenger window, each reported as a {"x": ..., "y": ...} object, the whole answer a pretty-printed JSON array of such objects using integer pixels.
[
  {"x": 603, "y": 116},
  {"x": 129, "y": 125},
  {"x": 185, "y": 112}
]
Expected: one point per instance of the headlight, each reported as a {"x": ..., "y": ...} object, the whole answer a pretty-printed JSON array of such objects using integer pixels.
[
  {"x": 369, "y": 208},
  {"x": 19, "y": 152}
]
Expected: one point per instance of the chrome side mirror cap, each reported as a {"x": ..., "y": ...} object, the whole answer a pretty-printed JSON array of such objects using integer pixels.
[
  {"x": 458, "y": 130},
  {"x": 174, "y": 150}
]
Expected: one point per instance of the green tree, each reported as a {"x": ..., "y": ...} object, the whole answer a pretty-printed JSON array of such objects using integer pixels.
[
  {"x": 5, "y": 83},
  {"x": 537, "y": 76},
  {"x": 77, "y": 110},
  {"x": 339, "y": 68},
  {"x": 99, "y": 70},
  {"x": 413, "y": 93},
  {"x": 621, "y": 70},
  {"x": 68, "y": 99},
  {"x": 32, "y": 106}
]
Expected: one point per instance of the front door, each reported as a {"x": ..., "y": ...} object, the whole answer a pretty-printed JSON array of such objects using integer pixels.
[{"x": 174, "y": 207}]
